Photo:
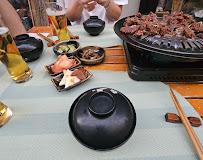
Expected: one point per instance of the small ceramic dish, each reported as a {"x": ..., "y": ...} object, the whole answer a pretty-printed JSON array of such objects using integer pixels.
[
  {"x": 56, "y": 80},
  {"x": 51, "y": 73},
  {"x": 65, "y": 43},
  {"x": 96, "y": 50}
]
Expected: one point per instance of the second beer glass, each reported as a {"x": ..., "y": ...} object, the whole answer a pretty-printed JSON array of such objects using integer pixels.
[
  {"x": 56, "y": 12},
  {"x": 12, "y": 59}
]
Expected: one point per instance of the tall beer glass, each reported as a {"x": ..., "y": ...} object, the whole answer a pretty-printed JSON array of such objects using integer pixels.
[
  {"x": 5, "y": 114},
  {"x": 56, "y": 12},
  {"x": 11, "y": 57}
]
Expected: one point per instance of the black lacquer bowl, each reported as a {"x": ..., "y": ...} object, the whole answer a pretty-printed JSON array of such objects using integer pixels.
[
  {"x": 29, "y": 47},
  {"x": 102, "y": 118},
  {"x": 94, "y": 26}
]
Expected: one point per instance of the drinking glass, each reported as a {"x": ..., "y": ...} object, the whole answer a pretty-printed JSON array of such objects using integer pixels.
[
  {"x": 56, "y": 12},
  {"x": 11, "y": 57},
  {"x": 5, "y": 114}
]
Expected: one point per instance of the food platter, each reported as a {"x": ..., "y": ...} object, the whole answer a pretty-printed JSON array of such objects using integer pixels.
[
  {"x": 51, "y": 73},
  {"x": 57, "y": 79},
  {"x": 163, "y": 52}
]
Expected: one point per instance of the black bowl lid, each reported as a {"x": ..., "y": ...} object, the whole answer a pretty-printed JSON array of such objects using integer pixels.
[
  {"x": 26, "y": 44},
  {"x": 102, "y": 118},
  {"x": 94, "y": 21}
]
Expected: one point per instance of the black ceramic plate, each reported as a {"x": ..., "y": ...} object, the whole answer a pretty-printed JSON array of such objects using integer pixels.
[
  {"x": 97, "y": 50},
  {"x": 102, "y": 118},
  {"x": 56, "y": 80},
  {"x": 48, "y": 67}
]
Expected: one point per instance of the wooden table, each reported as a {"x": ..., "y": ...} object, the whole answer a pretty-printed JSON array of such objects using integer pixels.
[{"x": 115, "y": 60}]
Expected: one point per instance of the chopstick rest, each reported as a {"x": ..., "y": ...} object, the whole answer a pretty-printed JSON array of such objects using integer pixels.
[
  {"x": 174, "y": 118},
  {"x": 194, "y": 121}
]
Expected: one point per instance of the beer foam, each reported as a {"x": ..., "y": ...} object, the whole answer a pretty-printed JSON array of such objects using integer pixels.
[
  {"x": 3, "y": 30},
  {"x": 55, "y": 13}
]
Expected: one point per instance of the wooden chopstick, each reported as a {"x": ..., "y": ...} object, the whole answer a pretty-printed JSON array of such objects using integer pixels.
[
  {"x": 46, "y": 38},
  {"x": 193, "y": 137},
  {"x": 71, "y": 34}
]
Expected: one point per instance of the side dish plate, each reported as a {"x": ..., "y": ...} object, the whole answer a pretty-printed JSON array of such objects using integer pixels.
[
  {"x": 48, "y": 67},
  {"x": 56, "y": 80},
  {"x": 97, "y": 50}
]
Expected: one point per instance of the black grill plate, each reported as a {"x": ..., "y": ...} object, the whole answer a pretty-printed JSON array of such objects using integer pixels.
[{"x": 169, "y": 48}]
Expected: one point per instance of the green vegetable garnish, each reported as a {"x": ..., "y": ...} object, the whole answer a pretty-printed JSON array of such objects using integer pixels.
[
  {"x": 72, "y": 48},
  {"x": 65, "y": 48},
  {"x": 60, "y": 50}
]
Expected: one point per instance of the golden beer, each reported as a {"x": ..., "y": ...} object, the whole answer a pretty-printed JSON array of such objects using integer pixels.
[
  {"x": 12, "y": 59},
  {"x": 5, "y": 114},
  {"x": 59, "y": 20}
]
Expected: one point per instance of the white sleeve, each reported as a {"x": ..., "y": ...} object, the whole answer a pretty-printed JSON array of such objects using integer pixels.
[{"x": 121, "y": 2}]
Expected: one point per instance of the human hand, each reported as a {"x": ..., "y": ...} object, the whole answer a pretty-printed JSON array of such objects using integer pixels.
[
  {"x": 103, "y": 3},
  {"x": 89, "y": 5}
]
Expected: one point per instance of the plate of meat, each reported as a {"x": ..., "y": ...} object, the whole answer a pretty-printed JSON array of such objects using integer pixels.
[
  {"x": 176, "y": 37},
  {"x": 71, "y": 78},
  {"x": 63, "y": 63}
]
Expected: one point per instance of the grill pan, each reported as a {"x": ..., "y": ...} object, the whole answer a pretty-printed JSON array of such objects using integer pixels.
[{"x": 171, "y": 48}]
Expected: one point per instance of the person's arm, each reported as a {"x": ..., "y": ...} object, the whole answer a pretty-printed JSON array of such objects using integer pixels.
[
  {"x": 113, "y": 11},
  {"x": 11, "y": 18}
]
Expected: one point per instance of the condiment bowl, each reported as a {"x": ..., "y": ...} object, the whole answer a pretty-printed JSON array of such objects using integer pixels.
[
  {"x": 86, "y": 54},
  {"x": 65, "y": 43},
  {"x": 102, "y": 118}
]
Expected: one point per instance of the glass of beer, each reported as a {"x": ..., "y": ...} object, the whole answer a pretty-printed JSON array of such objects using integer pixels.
[
  {"x": 5, "y": 114},
  {"x": 12, "y": 59},
  {"x": 56, "y": 12}
]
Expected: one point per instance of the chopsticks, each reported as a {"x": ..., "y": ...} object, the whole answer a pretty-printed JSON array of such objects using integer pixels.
[
  {"x": 193, "y": 137},
  {"x": 71, "y": 34},
  {"x": 49, "y": 40},
  {"x": 46, "y": 38}
]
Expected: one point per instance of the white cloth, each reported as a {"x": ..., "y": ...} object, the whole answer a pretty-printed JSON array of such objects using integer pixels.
[{"x": 99, "y": 11}]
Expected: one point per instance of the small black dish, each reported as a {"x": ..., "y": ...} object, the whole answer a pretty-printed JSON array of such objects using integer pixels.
[
  {"x": 48, "y": 67},
  {"x": 94, "y": 26},
  {"x": 68, "y": 42},
  {"x": 56, "y": 80},
  {"x": 102, "y": 118},
  {"x": 97, "y": 50},
  {"x": 29, "y": 47}
]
